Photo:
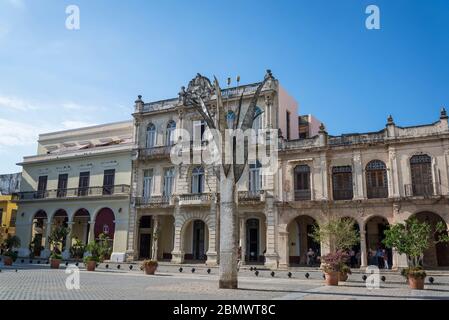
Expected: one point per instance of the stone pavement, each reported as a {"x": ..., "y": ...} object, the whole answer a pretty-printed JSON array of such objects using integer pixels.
[{"x": 39, "y": 282}]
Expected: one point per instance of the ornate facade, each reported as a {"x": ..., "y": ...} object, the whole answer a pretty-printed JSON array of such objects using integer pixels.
[{"x": 172, "y": 211}]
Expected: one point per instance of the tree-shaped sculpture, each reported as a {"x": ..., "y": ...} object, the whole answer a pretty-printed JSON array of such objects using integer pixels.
[{"x": 199, "y": 94}]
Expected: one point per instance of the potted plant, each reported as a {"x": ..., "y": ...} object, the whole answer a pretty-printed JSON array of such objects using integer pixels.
[
  {"x": 338, "y": 235},
  {"x": 95, "y": 255},
  {"x": 332, "y": 265},
  {"x": 412, "y": 238},
  {"x": 104, "y": 247},
  {"x": 150, "y": 266},
  {"x": 56, "y": 239},
  {"x": 77, "y": 249},
  {"x": 35, "y": 247},
  {"x": 10, "y": 256}
]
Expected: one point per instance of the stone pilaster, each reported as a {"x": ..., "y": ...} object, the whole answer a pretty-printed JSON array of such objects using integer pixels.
[
  {"x": 363, "y": 250},
  {"x": 271, "y": 256}
]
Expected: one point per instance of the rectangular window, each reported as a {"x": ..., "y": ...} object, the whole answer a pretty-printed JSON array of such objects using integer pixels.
[
  {"x": 168, "y": 182},
  {"x": 198, "y": 130},
  {"x": 83, "y": 185},
  {"x": 12, "y": 222},
  {"x": 342, "y": 183},
  {"x": 42, "y": 187},
  {"x": 108, "y": 182},
  {"x": 147, "y": 183},
  {"x": 62, "y": 185},
  {"x": 288, "y": 124}
]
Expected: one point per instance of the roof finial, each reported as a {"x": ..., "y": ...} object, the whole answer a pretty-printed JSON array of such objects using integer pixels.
[
  {"x": 322, "y": 128},
  {"x": 390, "y": 119},
  {"x": 443, "y": 113}
]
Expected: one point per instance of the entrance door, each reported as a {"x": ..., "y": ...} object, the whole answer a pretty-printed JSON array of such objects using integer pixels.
[
  {"x": 145, "y": 246},
  {"x": 252, "y": 241},
  {"x": 198, "y": 240}
]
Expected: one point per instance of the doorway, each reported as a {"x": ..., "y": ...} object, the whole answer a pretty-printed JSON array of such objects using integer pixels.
[{"x": 252, "y": 240}]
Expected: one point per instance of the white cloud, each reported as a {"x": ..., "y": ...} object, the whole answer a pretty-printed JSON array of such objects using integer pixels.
[
  {"x": 71, "y": 124},
  {"x": 16, "y": 103},
  {"x": 14, "y": 133}
]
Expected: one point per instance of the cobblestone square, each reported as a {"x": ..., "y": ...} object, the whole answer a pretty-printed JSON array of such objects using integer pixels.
[{"x": 39, "y": 282}]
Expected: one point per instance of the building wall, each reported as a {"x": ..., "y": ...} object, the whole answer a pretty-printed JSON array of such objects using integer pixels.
[{"x": 7, "y": 211}]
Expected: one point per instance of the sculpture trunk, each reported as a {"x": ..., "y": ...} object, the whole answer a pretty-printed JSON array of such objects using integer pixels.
[{"x": 228, "y": 233}]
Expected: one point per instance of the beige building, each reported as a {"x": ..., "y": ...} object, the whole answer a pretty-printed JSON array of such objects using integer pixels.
[
  {"x": 80, "y": 178},
  {"x": 119, "y": 179}
]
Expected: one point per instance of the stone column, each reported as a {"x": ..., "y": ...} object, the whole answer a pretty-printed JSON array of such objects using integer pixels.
[
  {"x": 243, "y": 239},
  {"x": 271, "y": 256},
  {"x": 91, "y": 231},
  {"x": 68, "y": 241},
  {"x": 283, "y": 250},
  {"x": 155, "y": 238},
  {"x": 178, "y": 252},
  {"x": 395, "y": 264},
  {"x": 212, "y": 250},
  {"x": 363, "y": 252}
]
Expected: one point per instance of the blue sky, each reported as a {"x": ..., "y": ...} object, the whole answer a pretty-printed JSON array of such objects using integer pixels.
[{"x": 349, "y": 77}]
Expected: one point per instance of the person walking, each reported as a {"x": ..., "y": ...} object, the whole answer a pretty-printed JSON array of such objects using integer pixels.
[
  {"x": 385, "y": 257},
  {"x": 310, "y": 256}
]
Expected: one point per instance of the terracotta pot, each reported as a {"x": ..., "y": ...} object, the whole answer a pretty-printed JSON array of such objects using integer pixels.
[
  {"x": 150, "y": 269},
  {"x": 416, "y": 283},
  {"x": 54, "y": 263},
  {"x": 332, "y": 278},
  {"x": 342, "y": 276},
  {"x": 7, "y": 261},
  {"x": 91, "y": 265}
]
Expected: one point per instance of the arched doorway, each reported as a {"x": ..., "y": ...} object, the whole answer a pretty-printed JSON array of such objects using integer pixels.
[
  {"x": 104, "y": 224},
  {"x": 375, "y": 234},
  {"x": 38, "y": 232},
  {"x": 300, "y": 241},
  {"x": 80, "y": 227},
  {"x": 437, "y": 255},
  {"x": 196, "y": 240},
  {"x": 60, "y": 219}
]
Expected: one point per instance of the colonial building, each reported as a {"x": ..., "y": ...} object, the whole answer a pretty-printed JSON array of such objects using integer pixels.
[
  {"x": 80, "y": 178},
  {"x": 119, "y": 179}
]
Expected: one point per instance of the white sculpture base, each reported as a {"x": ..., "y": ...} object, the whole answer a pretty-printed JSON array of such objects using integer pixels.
[{"x": 118, "y": 257}]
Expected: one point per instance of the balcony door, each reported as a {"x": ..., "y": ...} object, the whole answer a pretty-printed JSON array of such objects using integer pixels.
[
  {"x": 147, "y": 184},
  {"x": 41, "y": 186},
  {"x": 421, "y": 169},
  {"x": 62, "y": 185},
  {"x": 376, "y": 180},
  {"x": 108, "y": 182},
  {"x": 342, "y": 183},
  {"x": 302, "y": 183},
  {"x": 83, "y": 185}
]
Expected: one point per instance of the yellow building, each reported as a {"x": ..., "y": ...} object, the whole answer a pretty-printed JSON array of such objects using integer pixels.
[{"x": 8, "y": 213}]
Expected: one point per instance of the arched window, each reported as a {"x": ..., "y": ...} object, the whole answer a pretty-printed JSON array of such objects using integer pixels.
[
  {"x": 255, "y": 177},
  {"x": 151, "y": 136},
  {"x": 170, "y": 137},
  {"x": 376, "y": 180},
  {"x": 258, "y": 124},
  {"x": 230, "y": 118},
  {"x": 421, "y": 170},
  {"x": 342, "y": 183},
  {"x": 198, "y": 180},
  {"x": 302, "y": 183}
]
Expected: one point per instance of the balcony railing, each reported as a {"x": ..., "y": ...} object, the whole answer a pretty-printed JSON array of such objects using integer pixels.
[
  {"x": 421, "y": 190},
  {"x": 155, "y": 152},
  {"x": 343, "y": 194},
  {"x": 195, "y": 197},
  {"x": 74, "y": 192},
  {"x": 245, "y": 196},
  {"x": 152, "y": 201},
  {"x": 377, "y": 192},
  {"x": 303, "y": 195}
]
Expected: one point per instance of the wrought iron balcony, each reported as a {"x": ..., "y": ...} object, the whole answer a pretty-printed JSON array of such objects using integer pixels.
[
  {"x": 250, "y": 196},
  {"x": 303, "y": 195},
  {"x": 70, "y": 193},
  {"x": 377, "y": 192},
  {"x": 195, "y": 199},
  {"x": 343, "y": 194},
  {"x": 155, "y": 152},
  {"x": 152, "y": 201},
  {"x": 421, "y": 190}
]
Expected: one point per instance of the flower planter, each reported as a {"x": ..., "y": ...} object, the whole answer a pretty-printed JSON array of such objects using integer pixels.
[
  {"x": 7, "y": 261},
  {"x": 91, "y": 265},
  {"x": 416, "y": 283},
  {"x": 342, "y": 276},
  {"x": 332, "y": 278},
  {"x": 150, "y": 269},
  {"x": 54, "y": 263}
]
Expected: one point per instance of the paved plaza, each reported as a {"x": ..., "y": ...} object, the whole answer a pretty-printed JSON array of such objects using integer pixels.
[{"x": 39, "y": 282}]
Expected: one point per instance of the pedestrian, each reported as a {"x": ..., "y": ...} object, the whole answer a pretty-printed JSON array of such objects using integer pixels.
[
  {"x": 239, "y": 258},
  {"x": 310, "y": 257},
  {"x": 352, "y": 258},
  {"x": 385, "y": 257}
]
